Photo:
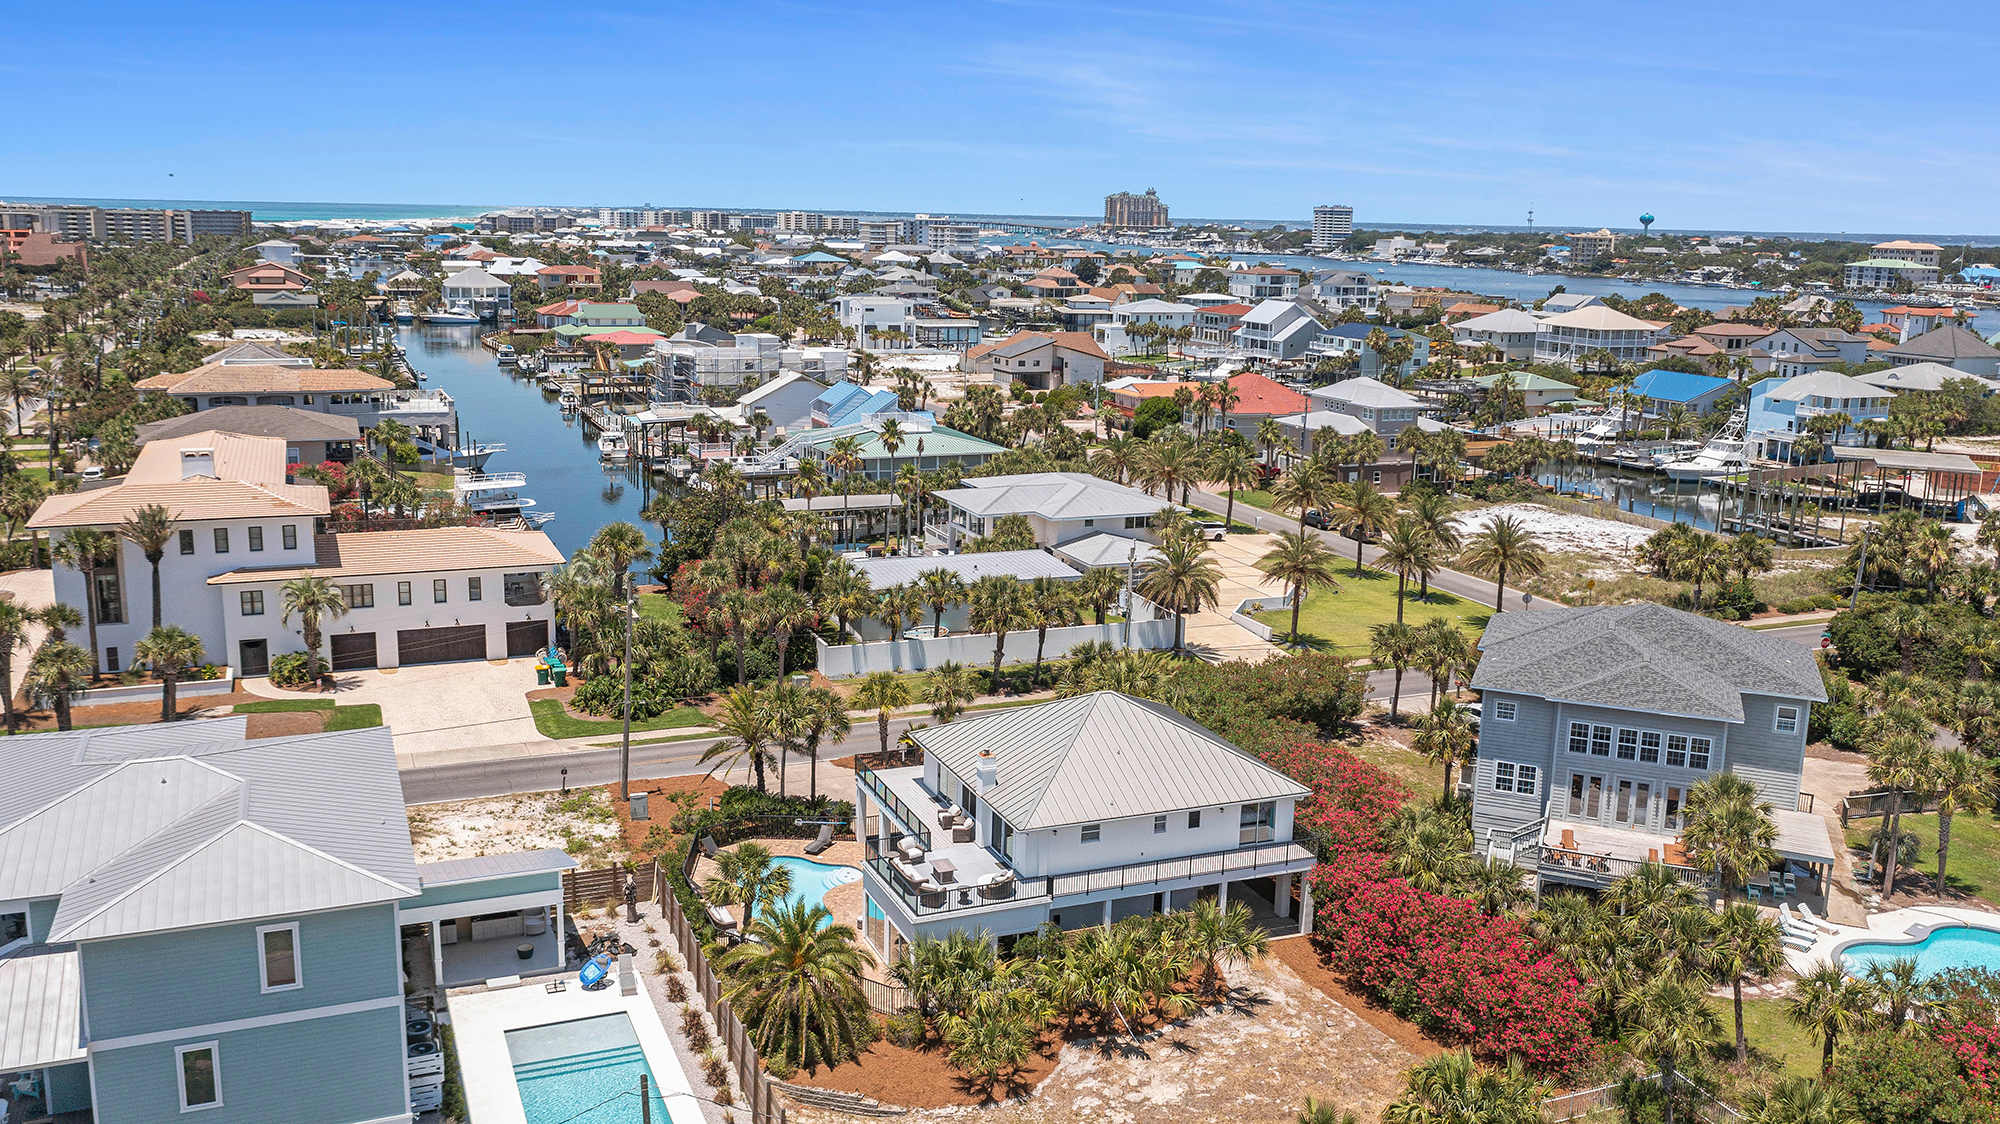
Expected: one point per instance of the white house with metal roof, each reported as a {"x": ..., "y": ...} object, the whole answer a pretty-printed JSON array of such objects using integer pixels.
[
  {"x": 1076, "y": 812},
  {"x": 1060, "y": 506},
  {"x": 1383, "y": 408},
  {"x": 196, "y": 922},
  {"x": 1595, "y": 722}
]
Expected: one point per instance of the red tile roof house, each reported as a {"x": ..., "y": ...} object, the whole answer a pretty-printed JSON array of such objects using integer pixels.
[
  {"x": 1038, "y": 360},
  {"x": 680, "y": 292},
  {"x": 267, "y": 277},
  {"x": 574, "y": 276},
  {"x": 1216, "y": 324}
]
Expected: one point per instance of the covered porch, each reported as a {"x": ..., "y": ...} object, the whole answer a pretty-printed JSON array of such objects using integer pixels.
[
  {"x": 489, "y": 918},
  {"x": 44, "y": 1072},
  {"x": 1581, "y": 853}
]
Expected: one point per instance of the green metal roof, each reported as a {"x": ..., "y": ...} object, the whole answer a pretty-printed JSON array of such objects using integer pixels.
[
  {"x": 591, "y": 308},
  {"x": 1523, "y": 381},
  {"x": 1887, "y": 263}
]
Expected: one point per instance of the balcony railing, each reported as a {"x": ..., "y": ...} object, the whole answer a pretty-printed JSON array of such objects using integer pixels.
[
  {"x": 1235, "y": 862},
  {"x": 880, "y": 790},
  {"x": 1598, "y": 870}
]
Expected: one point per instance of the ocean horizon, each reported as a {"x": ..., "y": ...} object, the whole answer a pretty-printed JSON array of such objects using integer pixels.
[{"x": 278, "y": 211}]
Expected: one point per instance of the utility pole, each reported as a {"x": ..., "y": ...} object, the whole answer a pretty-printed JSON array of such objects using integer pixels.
[
  {"x": 645, "y": 1100},
  {"x": 625, "y": 746},
  {"x": 1860, "y": 568}
]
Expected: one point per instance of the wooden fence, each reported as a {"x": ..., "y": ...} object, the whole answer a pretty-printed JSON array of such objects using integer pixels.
[
  {"x": 1583, "y": 1103},
  {"x": 758, "y": 1091},
  {"x": 607, "y": 884}
]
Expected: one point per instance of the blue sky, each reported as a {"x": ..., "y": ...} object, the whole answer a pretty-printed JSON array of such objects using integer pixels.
[{"x": 1779, "y": 116}]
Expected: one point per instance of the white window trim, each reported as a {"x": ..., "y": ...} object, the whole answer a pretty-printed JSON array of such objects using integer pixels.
[
  {"x": 1778, "y": 720},
  {"x": 214, "y": 1048},
  {"x": 1505, "y": 710},
  {"x": 1085, "y": 833},
  {"x": 263, "y": 965},
  {"x": 1527, "y": 779}
]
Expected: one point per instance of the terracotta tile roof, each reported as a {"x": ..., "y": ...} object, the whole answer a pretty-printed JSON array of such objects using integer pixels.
[
  {"x": 246, "y": 480},
  {"x": 1918, "y": 310},
  {"x": 623, "y": 337},
  {"x": 559, "y": 308},
  {"x": 1260, "y": 394},
  {"x": 1230, "y": 310},
  {"x": 425, "y": 550},
  {"x": 568, "y": 271},
  {"x": 257, "y": 378},
  {"x": 1073, "y": 341}
]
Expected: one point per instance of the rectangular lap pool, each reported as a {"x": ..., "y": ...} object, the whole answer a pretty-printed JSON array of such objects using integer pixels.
[{"x": 582, "y": 1072}]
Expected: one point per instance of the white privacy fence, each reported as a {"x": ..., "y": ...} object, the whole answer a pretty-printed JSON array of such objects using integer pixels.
[{"x": 1149, "y": 627}]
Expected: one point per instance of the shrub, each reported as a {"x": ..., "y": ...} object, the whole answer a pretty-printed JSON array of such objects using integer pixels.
[
  {"x": 714, "y": 1070},
  {"x": 694, "y": 1028},
  {"x": 605, "y": 696},
  {"x": 677, "y": 991},
  {"x": 1736, "y": 601},
  {"x": 905, "y": 1029},
  {"x": 1891, "y": 1078},
  {"x": 293, "y": 669}
]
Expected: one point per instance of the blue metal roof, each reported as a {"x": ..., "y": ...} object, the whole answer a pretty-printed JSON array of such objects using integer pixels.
[{"x": 1675, "y": 386}]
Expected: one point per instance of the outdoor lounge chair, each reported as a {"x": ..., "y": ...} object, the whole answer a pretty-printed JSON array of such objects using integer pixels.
[
  {"x": 1813, "y": 919},
  {"x": 708, "y": 846},
  {"x": 962, "y": 833},
  {"x": 999, "y": 884},
  {"x": 910, "y": 849},
  {"x": 824, "y": 841},
  {"x": 721, "y": 919}
]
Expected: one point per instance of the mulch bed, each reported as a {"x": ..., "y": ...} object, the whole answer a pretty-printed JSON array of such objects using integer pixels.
[
  {"x": 919, "y": 1078},
  {"x": 1304, "y": 959},
  {"x": 659, "y": 807},
  {"x": 138, "y": 713}
]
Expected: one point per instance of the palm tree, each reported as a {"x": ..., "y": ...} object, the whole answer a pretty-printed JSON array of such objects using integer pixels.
[
  {"x": 620, "y": 544},
  {"x": 1325, "y": 1112},
  {"x": 1406, "y": 551},
  {"x": 150, "y": 528},
  {"x": 1098, "y": 590},
  {"x": 1703, "y": 558},
  {"x": 14, "y": 622},
  {"x": 1671, "y": 1020},
  {"x": 826, "y": 717},
  {"x": 1233, "y": 466},
  {"x": 1901, "y": 763},
  {"x": 1215, "y": 936},
  {"x": 741, "y": 614},
  {"x": 171, "y": 650},
  {"x": 313, "y": 600},
  {"x": 1729, "y": 830},
  {"x": 1393, "y": 643},
  {"x": 1959, "y": 781},
  {"x": 942, "y": 588},
  {"x": 745, "y": 875},
  {"x": 745, "y": 726},
  {"x": 883, "y": 692},
  {"x": 1895, "y": 986},
  {"x": 1302, "y": 488},
  {"x": 87, "y": 550},
  {"x": 58, "y": 672},
  {"x": 1454, "y": 1089},
  {"x": 1050, "y": 603},
  {"x": 995, "y": 605},
  {"x": 786, "y": 612},
  {"x": 1183, "y": 580},
  {"x": 844, "y": 456},
  {"x": 1797, "y": 1100},
  {"x": 1443, "y": 651},
  {"x": 1446, "y": 735},
  {"x": 1494, "y": 885},
  {"x": 1830, "y": 1003},
  {"x": 1505, "y": 546},
  {"x": 1744, "y": 943},
  {"x": 1431, "y": 511},
  {"x": 947, "y": 688},
  {"x": 796, "y": 984},
  {"x": 1362, "y": 513},
  {"x": 1302, "y": 562}
]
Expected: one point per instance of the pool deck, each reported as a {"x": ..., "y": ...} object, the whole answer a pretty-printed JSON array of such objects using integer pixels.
[
  {"x": 1911, "y": 925},
  {"x": 480, "y": 1020},
  {"x": 845, "y": 901}
]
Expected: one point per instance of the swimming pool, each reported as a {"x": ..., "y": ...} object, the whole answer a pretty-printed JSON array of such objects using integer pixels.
[
  {"x": 1942, "y": 950},
  {"x": 811, "y": 880},
  {"x": 585, "y": 1072}
]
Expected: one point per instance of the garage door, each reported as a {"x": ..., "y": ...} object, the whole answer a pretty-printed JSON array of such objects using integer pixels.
[
  {"x": 525, "y": 638},
  {"x": 437, "y": 645},
  {"x": 353, "y": 651}
]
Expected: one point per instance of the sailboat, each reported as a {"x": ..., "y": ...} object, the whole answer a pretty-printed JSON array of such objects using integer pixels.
[{"x": 1722, "y": 455}]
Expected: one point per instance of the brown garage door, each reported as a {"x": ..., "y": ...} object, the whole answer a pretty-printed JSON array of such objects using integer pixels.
[
  {"x": 438, "y": 645},
  {"x": 525, "y": 638},
  {"x": 353, "y": 651}
]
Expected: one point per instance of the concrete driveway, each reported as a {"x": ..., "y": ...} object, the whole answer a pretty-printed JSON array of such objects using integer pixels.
[
  {"x": 441, "y": 706},
  {"x": 1211, "y": 633}
]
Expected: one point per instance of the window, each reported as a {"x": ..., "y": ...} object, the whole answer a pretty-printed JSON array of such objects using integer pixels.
[
  {"x": 187, "y": 542},
  {"x": 222, "y": 540},
  {"x": 1600, "y": 741},
  {"x": 438, "y": 593},
  {"x": 1649, "y": 746},
  {"x": 361, "y": 596},
  {"x": 1258, "y": 823},
  {"x": 200, "y": 1076},
  {"x": 1505, "y": 710},
  {"x": 1575, "y": 794},
  {"x": 1579, "y": 737},
  {"x": 1525, "y": 780},
  {"x": 251, "y": 602},
  {"x": 1673, "y": 808},
  {"x": 1628, "y": 745},
  {"x": 289, "y": 536},
  {"x": 278, "y": 956},
  {"x": 1503, "y": 776},
  {"x": 111, "y": 659},
  {"x": 1091, "y": 832},
  {"x": 1159, "y": 825},
  {"x": 13, "y": 929},
  {"x": 110, "y": 606},
  {"x": 1698, "y": 749},
  {"x": 1194, "y": 819},
  {"x": 472, "y": 589},
  {"x": 1787, "y": 720},
  {"x": 402, "y": 593},
  {"x": 1677, "y": 750},
  {"x": 256, "y": 538}
]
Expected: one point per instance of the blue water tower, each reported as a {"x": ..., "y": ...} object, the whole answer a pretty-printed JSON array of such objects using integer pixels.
[{"x": 1646, "y": 222}]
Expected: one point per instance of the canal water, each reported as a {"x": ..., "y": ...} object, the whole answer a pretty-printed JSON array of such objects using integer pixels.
[
  {"x": 565, "y": 475},
  {"x": 1644, "y": 493}
]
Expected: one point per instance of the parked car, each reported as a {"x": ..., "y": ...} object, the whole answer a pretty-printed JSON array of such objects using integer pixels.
[
  {"x": 1212, "y": 529},
  {"x": 1317, "y": 518}
]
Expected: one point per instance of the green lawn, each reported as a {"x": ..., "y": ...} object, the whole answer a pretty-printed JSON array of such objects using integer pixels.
[
  {"x": 1975, "y": 849},
  {"x": 358, "y": 716},
  {"x": 1772, "y": 1035},
  {"x": 1340, "y": 618},
  {"x": 659, "y": 607},
  {"x": 1424, "y": 779},
  {"x": 555, "y": 722}
]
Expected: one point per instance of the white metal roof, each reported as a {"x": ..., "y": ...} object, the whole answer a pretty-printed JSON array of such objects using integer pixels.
[
  {"x": 41, "y": 1005},
  {"x": 1107, "y": 549},
  {"x": 1024, "y": 565},
  {"x": 1100, "y": 756},
  {"x": 1052, "y": 495},
  {"x": 546, "y": 860},
  {"x": 1366, "y": 392}
]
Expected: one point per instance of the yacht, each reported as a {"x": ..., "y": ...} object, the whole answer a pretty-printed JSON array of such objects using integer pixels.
[
  {"x": 1722, "y": 455},
  {"x": 568, "y": 401},
  {"x": 505, "y": 354},
  {"x": 405, "y": 312},
  {"x": 613, "y": 447},
  {"x": 452, "y": 314},
  {"x": 491, "y": 493}
]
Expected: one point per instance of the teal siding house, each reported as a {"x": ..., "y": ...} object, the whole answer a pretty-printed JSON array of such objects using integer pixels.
[{"x": 196, "y": 923}]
